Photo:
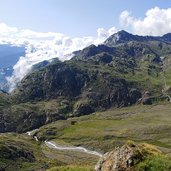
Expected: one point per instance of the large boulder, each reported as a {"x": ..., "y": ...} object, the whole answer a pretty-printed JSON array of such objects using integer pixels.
[
  {"x": 127, "y": 157},
  {"x": 120, "y": 159}
]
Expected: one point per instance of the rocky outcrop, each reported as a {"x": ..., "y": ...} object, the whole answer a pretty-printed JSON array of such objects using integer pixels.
[
  {"x": 121, "y": 159},
  {"x": 127, "y": 157},
  {"x": 124, "y": 37},
  {"x": 83, "y": 109},
  {"x": 51, "y": 82}
]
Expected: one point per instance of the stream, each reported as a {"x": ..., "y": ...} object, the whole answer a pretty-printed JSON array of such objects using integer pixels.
[{"x": 56, "y": 146}]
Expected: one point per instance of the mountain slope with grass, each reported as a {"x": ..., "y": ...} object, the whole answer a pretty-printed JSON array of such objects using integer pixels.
[
  {"x": 102, "y": 97},
  {"x": 127, "y": 69}
]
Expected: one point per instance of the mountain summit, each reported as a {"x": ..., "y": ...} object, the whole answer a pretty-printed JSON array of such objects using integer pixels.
[{"x": 124, "y": 37}]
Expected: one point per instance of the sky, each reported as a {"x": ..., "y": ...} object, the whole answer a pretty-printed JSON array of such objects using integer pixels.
[
  {"x": 72, "y": 17},
  {"x": 56, "y": 28}
]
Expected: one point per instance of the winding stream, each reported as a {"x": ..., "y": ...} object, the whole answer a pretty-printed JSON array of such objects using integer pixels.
[{"x": 53, "y": 145}]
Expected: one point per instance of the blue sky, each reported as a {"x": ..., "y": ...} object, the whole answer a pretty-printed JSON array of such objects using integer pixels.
[
  {"x": 38, "y": 24},
  {"x": 72, "y": 17}
]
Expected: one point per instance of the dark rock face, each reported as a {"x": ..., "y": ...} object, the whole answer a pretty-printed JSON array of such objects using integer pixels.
[
  {"x": 72, "y": 82},
  {"x": 83, "y": 109},
  {"x": 52, "y": 82}
]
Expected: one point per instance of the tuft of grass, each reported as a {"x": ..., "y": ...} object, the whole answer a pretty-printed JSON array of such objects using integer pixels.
[
  {"x": 155, "y": 163},
  {"x": 149, "y": 149}
]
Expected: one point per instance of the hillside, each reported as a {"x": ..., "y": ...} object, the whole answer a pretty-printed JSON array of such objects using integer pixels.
[
  {"x": 102, "y": 97},
  {"x": 96, "y": 78}
]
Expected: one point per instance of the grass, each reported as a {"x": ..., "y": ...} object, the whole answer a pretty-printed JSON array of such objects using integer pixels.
[
  {"x": 21, "y": 153},
  {"x": 105, "y": 130},
  {"x": 155, "y": 163},
  {"x": 4, "y": 100},
  {"x": 168, "y": 76}
]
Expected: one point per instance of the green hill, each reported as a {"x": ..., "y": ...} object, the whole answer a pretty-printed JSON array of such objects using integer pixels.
[{"x": 102, "y": 97}]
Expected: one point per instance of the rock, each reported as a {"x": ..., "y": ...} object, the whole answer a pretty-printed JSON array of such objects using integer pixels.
[
  {"x": 83, "y": 109},
  {"x": 134, "y": 95},
  {"x": 120, "y": 159},
  {"x": 147, "y": 101},
  {"x": 146, "y": 98}
]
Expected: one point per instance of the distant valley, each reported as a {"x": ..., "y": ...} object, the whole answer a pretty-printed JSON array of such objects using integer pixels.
[{"x": 9, "y": 56}]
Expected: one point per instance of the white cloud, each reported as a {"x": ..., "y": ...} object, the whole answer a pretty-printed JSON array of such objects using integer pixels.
[
  {"x": 156, "y": 22},
  {"x": 44, "y": 46}
]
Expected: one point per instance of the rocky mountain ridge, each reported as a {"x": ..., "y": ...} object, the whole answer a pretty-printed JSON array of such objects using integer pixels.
[
  {"x": 96, "y": 78},
  {"x": 124, "y": 37}
]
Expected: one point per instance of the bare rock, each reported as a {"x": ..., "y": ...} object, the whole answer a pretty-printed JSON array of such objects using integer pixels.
[{"x": 120, "y": 159}]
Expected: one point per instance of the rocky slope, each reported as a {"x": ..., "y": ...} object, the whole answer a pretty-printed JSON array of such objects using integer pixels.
[
  {"x": 125, "y": 70},
  {"x": 123, "y": 37}
]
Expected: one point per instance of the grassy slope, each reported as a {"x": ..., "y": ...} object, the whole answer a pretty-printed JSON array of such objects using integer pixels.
[
  {"x": 21, "y": 152},
  {"x": 105, "y": 130}
]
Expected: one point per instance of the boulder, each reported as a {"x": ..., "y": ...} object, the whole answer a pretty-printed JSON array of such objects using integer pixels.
[{"x": 120, "y": 159}]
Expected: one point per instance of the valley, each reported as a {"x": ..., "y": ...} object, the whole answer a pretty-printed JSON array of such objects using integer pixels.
[
  {"x": 102, "y": 132},
  {"x": 102, "y": 98}
]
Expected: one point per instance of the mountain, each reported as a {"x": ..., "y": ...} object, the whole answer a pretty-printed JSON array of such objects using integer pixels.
[
  {"x": 96, "y": 78},
  {"x": 124, "y": 37},
  {"x": 44, "y": 63},
  {"x": 103, "y": 96}
]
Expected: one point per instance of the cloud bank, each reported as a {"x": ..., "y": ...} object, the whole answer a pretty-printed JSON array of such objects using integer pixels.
[
  {"x": 44, "y": 46},
  {"x": 156, "y": 22}
]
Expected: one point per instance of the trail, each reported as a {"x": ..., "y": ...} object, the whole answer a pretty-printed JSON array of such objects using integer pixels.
[{"x": 53, "y": 145}]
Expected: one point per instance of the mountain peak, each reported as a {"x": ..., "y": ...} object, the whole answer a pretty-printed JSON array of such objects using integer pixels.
[
  {"x": 123, "y": 32},
  {"x": 124, "y": 37},
  {"x": 120, "y": 37}
]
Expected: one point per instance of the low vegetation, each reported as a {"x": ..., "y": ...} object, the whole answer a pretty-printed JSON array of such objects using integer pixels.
[{"x": 102, "y": 97}]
